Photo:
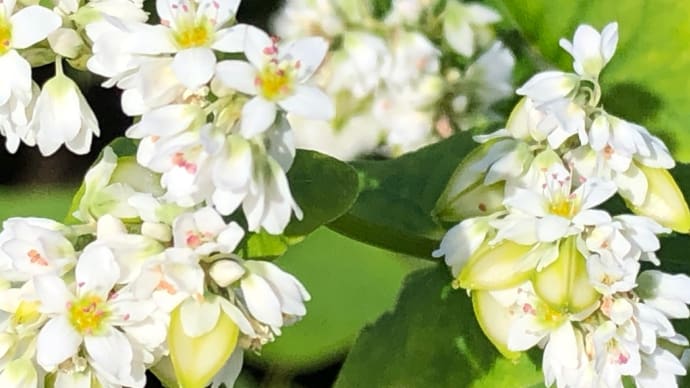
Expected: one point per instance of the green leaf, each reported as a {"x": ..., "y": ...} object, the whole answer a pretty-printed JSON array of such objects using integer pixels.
[
  {"x": 397, "y": 197},
  {"x": 431, "y": 339},
  {"x": 34, "y": 201},
  {"x": 647, "y": 80},
  {"x": 351, "y": 284},
  {"x": 324, "y": 187}
]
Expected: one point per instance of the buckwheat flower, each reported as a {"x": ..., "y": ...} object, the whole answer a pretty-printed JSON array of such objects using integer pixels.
[
  {"x": 62, "y": 116},
  {"x": 276, "y": 75},
  {"x": 32, "y": 246},
  {"x": 92, "y": 314},
  {"x": 591, "y": 50},
  {"x": 608, "y": 275},
  {"x": 553, "y": 211},
  {"x": 191, "y": 30},
  {"x": 259, "y": 183},
  {"x": 308, "y": 17},
  {"x": 359, "y": 65},
  {"x": 205, "y": 232},
  {"x": 617, "y": 352},
  {"x": 19, "y": 30},
  {"x": 669, "y": 294},
  {"x": 466, "y": 26}
]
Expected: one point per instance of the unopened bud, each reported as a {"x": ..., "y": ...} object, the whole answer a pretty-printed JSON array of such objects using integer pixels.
[
  {"x": 664, "y": 202},
  {"x": 226, "y": 272},
  {"x": 564, "y": 284},
  {"x": 196, "y": 360},
  {"x": 495, "y": 321},
  {"x": 496, "y": 267}
]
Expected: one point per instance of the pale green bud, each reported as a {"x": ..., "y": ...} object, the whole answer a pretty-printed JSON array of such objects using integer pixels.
[
  {"x": 564, "y": 284},
  {"x": 479, "y": 201},
  {"x": 496, "y": 267},
  {"x": 664, "y": 202},
  {"x": 19, "y": 373},
  {"x": 196, "y": 360},
  {"x": 495, "y": 321}
]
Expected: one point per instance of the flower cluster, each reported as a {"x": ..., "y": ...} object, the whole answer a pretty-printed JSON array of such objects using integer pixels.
[
  {"x": 147, "y": 266},
  {"x": 401, "y": 79},
  {"x": 149, "y": 283},
  {"x": 544, "y": 263}
]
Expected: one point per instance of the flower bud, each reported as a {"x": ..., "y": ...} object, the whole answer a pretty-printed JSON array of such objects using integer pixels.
[
  {"x": 664, "y": 202},
  {"x": 19, "y": 373},
  {"x": 564, "y": 284},
  {"x": 495, "y": 321},
  {"x": 496, "y": 267},
  {"x": 487, "y": 164},
  {"x": 479, "y": 201},
  {"x": 196, "y": 360},
  {"x": 226, "y": 272}
]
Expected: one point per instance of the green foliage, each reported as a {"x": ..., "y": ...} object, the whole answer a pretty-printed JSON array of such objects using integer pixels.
[
  {"x": 35, "y": 201},
  {"x": 431, "y": 339},
  {"x": 351, "y": 284},
  {"x": 324, "y": 187},
  {"x": 647, "y": 80},
  {"x": 397, "y": 197}
]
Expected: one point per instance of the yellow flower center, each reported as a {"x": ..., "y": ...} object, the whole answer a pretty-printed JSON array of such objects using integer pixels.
[
  {"x": 276, "y": 80},
  {"x": 198, "y": 34},
  {"x": 88, "y": 314},
  {"x": 5, "y": 35},
  {"x": 562, "y": 206}
]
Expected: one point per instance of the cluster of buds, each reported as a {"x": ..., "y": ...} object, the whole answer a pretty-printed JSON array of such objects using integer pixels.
[
  {"x": 544, "y": 264},
  {"x": 145, "y": 272},
  {"x": 402, "y": 79}
]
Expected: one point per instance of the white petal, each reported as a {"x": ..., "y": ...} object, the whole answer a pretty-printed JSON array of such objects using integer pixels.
[
  {"x": 32, "y": 24},
  {"x": 96, "y": 271},
  {"x": 552, "y": 228},
  {"x": 310, "y": 52},
  {"x": 194, "y": 67},
  {"x": 230, "y": 40},
  {"x": 231, "y": 370},
  {"x": 632, "y": 185},
  {"x": 256, "y": 40},
  {"x": 53, "y": 293},
  {"x": 57, "y": 341},
  {"x": 111, "y": 352},
  {"x": 258, "y": 115},
  {"x": 548, "y": 86},
  {"x": 609, "y": 40},
  {"x": 261, "y": 301},
  {"x": 239, "y": 75},
  {"x": 599, "y": 133},
  {"x": 309, "y": 102},
  {"x": 198, "y": 318}
]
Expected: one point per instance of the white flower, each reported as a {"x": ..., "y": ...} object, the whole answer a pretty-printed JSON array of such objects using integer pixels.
[
  {"x": 553, "y": 211},
  {"x": 617, "y": 352},
  {"x": 205, "y": 232},
  {"x": 591, "y": 50},
  {"x": 31, "y": 247},
  {"x": 302, "y": 17},
  {"x": 608, "y": 275},
  {"x": 19, "y": 30},
  {"x": 466, "y": 26},
  {"x": 669, "y": 294},
  {"x": 359, "y": 65},
  {"x": 489, "y": 77},
  {"x": 191, "y": 30},
  {"x": 461, "y": 241},
  {"x": 276, "y": 75},
  {"x": 259, "y": 182},
  {"x": 62, "y": 116},
  {"x": 92, "y": 316}
]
